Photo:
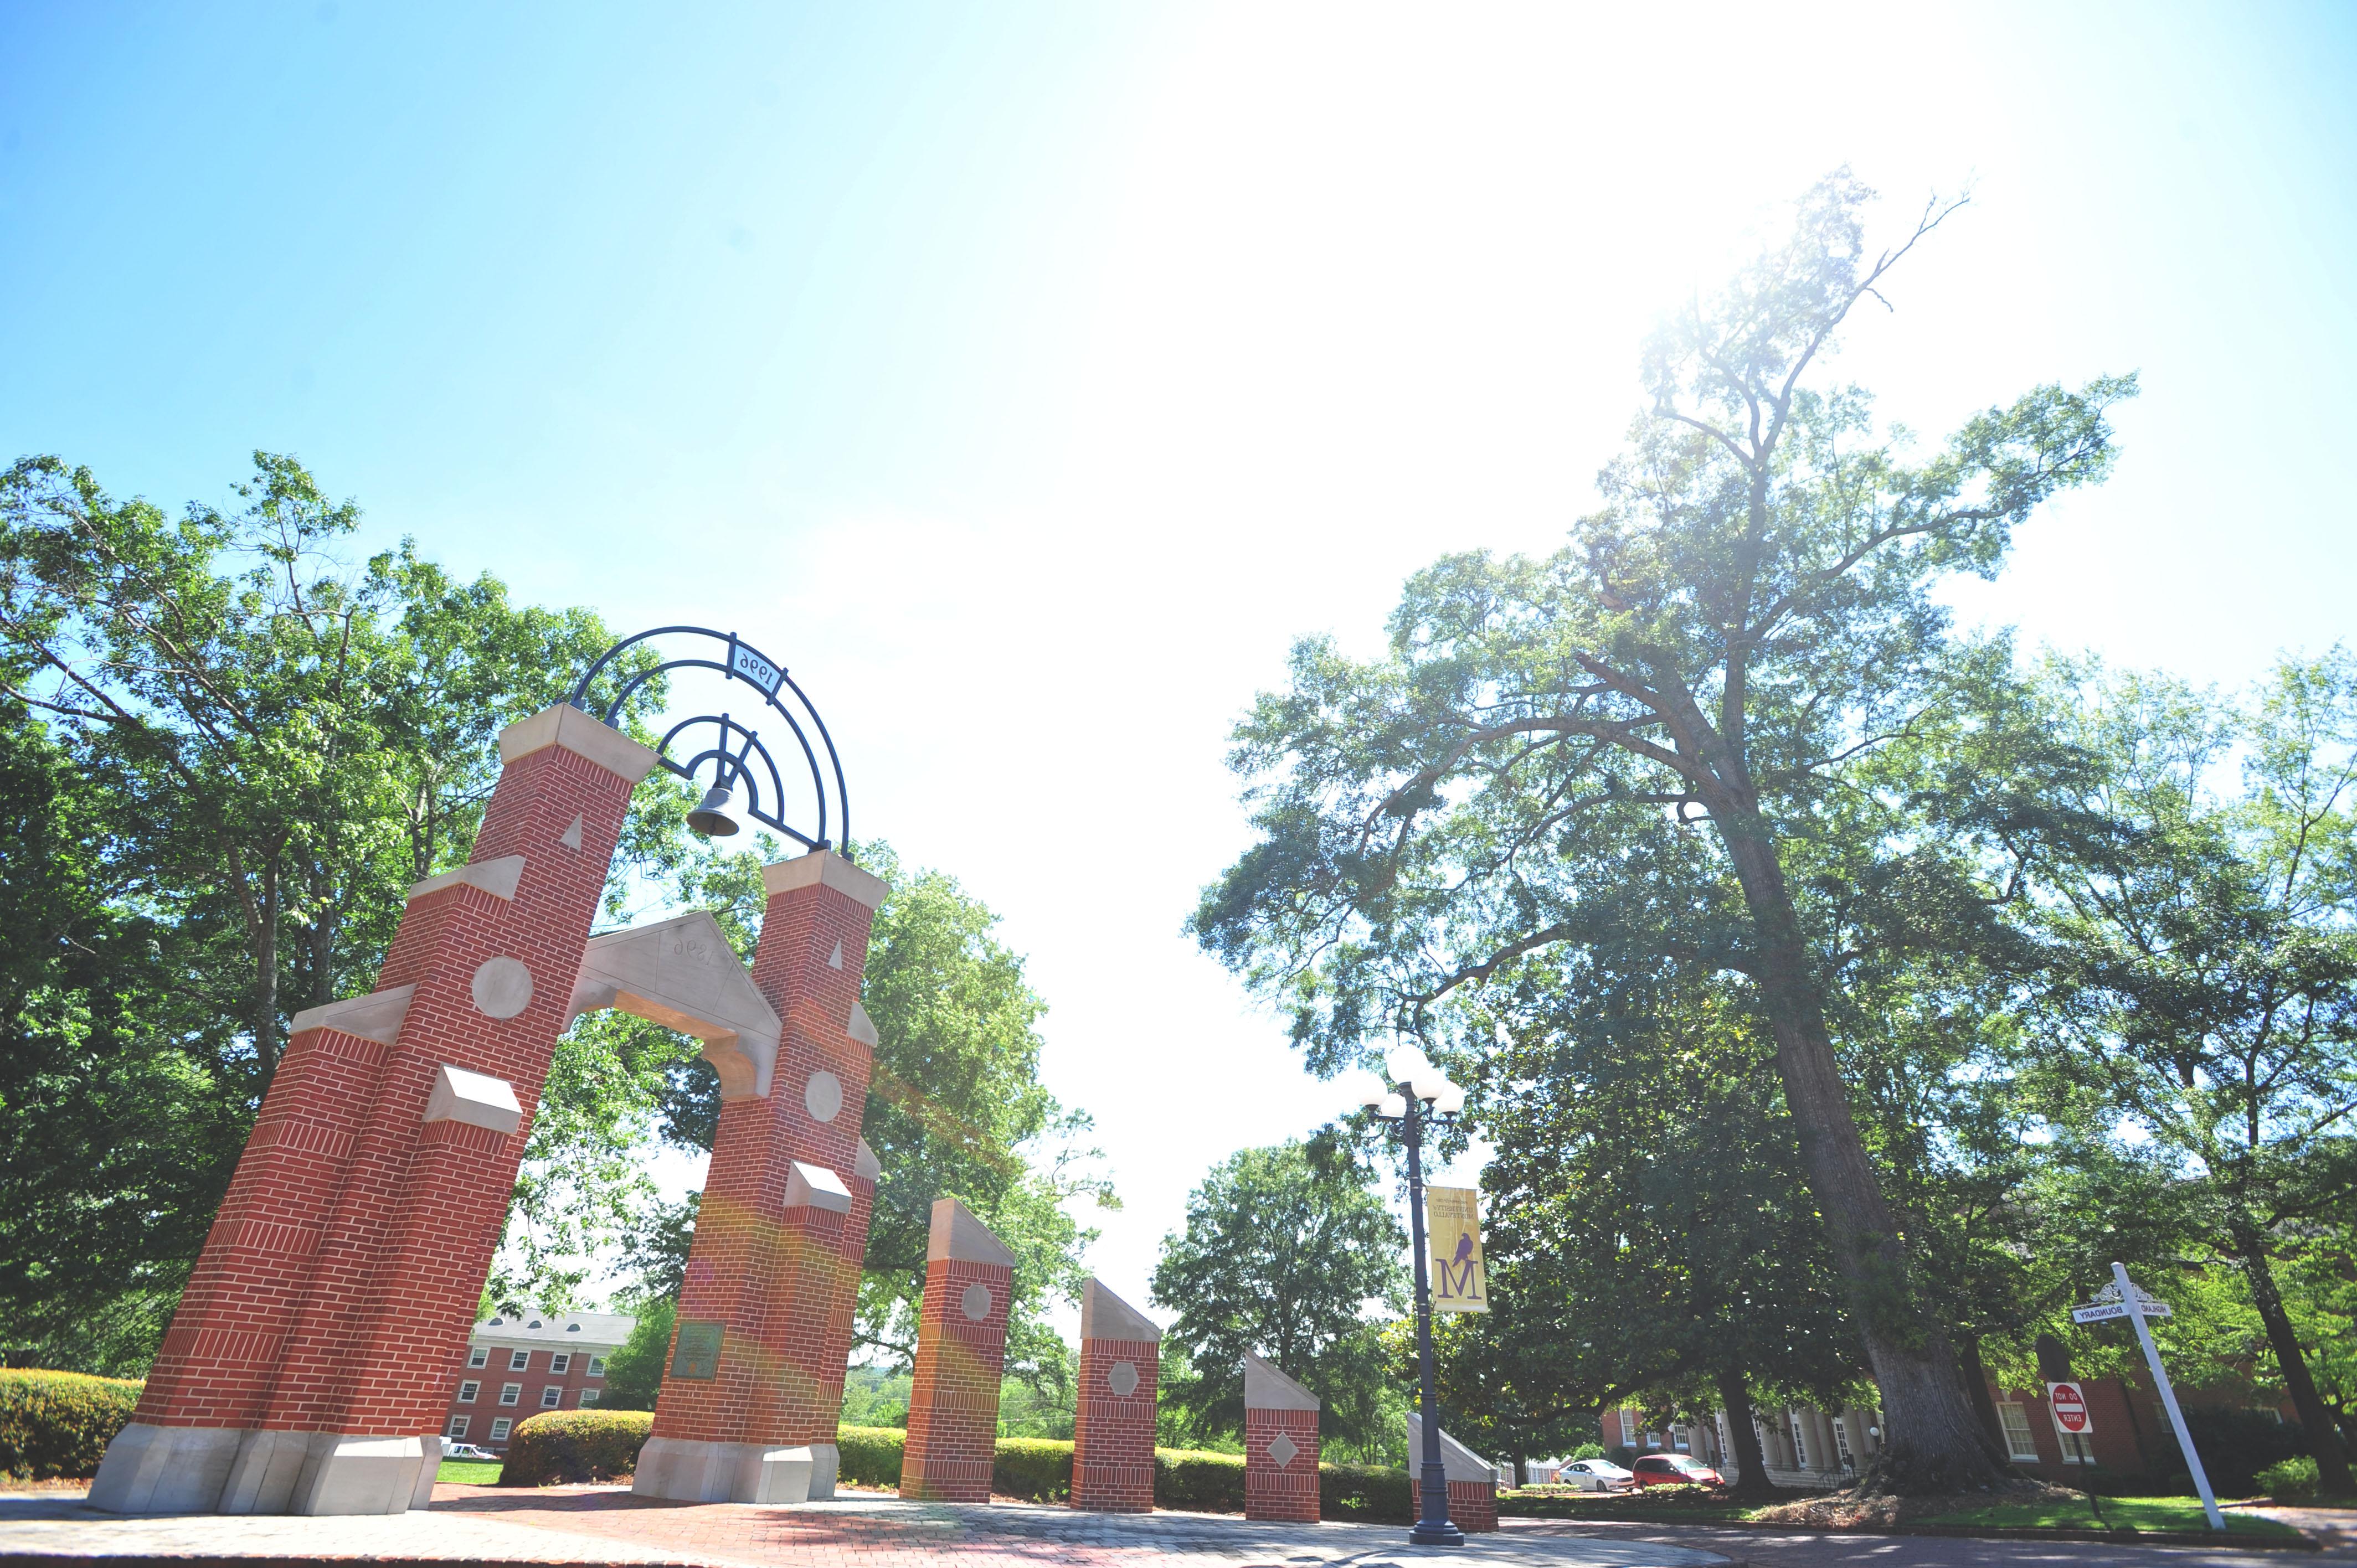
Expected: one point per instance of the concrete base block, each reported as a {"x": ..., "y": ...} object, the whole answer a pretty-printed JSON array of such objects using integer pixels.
[
  {"x": 429, "y": 1472},
  {"x": 685, "y": 1470},
  {"x": 165, "y": 1470},
  {"x": 269, "y": 1464},
  {"x": 359, "y": 1475}
]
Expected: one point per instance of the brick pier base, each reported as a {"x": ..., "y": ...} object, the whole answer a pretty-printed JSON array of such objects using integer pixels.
[
  {"x": 1121, "y": 1375},
  {"x": 960, "y": 1353},
  {"x": 1280, "y": 1446}
]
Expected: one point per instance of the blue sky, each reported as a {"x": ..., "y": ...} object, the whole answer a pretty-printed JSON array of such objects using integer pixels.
[{"x": 1029, "y": 376}]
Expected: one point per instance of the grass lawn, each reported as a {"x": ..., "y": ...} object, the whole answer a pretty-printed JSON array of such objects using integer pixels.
[
  {"x": 468, "y": 1473},
  {"x": 2135, "y": 1513}
]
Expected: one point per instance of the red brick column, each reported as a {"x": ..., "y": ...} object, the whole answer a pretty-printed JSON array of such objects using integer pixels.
[
  {"x": 961, "y": 1352},
  {"x": 773, "y": 1273},
  {"x": 1280, "y": 1445},
  {"x": 1472, "y": 1480},
  {"x": 1473, "y": 1506},
  {"x": 301, "y": 1372},
  {"x": 1121, "y": 1374}
]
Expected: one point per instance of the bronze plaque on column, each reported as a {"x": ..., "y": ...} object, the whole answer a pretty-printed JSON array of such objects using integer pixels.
[{"x": 695, "y": 1354}]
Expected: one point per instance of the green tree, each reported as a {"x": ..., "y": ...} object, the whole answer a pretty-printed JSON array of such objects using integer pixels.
[
  {"x": 2205, "y": 965},
  {"x": 1286, "y": 1248},
  {"x": 234, "y": 753},
  {"x": 1649, "y": 1228},
  {"x": 634, "y": 1372},
  {"x": 1640, "y": 743}
]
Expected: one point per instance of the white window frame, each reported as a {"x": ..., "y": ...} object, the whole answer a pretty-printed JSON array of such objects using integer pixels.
[
  {"x": 456, "y": 1429},
  {"x": 2076, "y": 1450},
  {"x": 551, "y": 1396},
  {"x": 559, "y": 1363},
  {"x": 588, "y": 1397},
  {"x": 1681, "y": 1439},
  {"x": 499, "y": 1429},
  {"x": 597, "y": 1367},
  {"x": 468, "y": 1390},
  {"x": 511, "y": 1393},
  {"x": 1842, "y": 1455},
  {"x": 1627, "y": 1427},
  {"x": 478, "y": 1357},
  {"x": 519, "y": 1360},
  {"x": 2020, "y": 1442},
  {"x": 1800, "y": 1443}
]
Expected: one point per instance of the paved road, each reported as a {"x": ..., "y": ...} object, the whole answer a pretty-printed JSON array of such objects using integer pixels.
[
  {"x": 606, "y": 1525},
  {"x": 598, "y": 1525},
  {"x": 1817, "y": 1550}
]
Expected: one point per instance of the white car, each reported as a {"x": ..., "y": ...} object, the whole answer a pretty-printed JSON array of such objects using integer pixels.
[
  {"x": 467, "y": 1451},
  {"x": 1596, "y": 1476}
]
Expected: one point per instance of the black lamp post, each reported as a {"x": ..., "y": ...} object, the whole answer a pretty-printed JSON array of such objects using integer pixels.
[{"x": 1415, "y": 1085}]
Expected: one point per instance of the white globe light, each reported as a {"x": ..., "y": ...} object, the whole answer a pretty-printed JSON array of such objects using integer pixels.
[
  {"x": 1429, "y": 1083},
  {"x": 1367, "y": 1093},
  {"x": 1393, "y": 1106},
  {"x": 1450, "y": 1101},
  {"x": 1405, "y": 1063}
]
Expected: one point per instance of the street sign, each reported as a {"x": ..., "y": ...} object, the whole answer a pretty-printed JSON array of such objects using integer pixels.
[
  {"x": 2100, "y": 1310},
  {"x": 2069, "y": 1403}
]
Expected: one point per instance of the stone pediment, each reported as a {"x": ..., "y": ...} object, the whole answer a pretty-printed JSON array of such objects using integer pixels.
[{"x": 682, "y": 973}]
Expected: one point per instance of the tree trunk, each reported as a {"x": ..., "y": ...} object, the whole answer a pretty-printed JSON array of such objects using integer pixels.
[
  {"x": 1934, "y": 1441},
  {"x": 2323, "y": 1442},
  {"x": 1751, "y": 1465},
  {"x": 1976, "y": 1388},
  {"x": 266, "y": 971}
]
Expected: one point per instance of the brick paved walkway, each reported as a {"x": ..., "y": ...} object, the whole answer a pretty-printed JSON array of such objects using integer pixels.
[{"x": 603, "y": 1525}]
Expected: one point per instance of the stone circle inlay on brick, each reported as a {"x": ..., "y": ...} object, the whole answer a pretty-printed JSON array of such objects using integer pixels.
[{"x": 501, "y": 987}]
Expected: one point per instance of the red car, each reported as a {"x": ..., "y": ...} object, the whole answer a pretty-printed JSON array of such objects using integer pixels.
[{"x": 1675, "y": 1470}]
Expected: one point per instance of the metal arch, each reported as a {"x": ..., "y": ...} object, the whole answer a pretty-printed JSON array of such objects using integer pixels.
[{"x": 735, "y": 750}]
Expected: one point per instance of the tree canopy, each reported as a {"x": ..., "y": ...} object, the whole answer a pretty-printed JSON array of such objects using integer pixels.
[{"x": 1287, "y": 1252}]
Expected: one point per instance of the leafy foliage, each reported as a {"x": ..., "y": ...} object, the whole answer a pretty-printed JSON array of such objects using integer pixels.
[
  {"x": 225, "y": 755},
  {"x": 57, "y": 1424},
  {"x": 1286, "y": 1248},
  {"x": 1666, "y": 748},
  {"x": 576, "y": 1446}
]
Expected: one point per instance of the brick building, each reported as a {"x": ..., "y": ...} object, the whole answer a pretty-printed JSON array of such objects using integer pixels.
[{"x": 520, "y": 1365}]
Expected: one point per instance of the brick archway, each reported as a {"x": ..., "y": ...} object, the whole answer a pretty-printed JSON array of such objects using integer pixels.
[{"x": 303, "y": 1371}]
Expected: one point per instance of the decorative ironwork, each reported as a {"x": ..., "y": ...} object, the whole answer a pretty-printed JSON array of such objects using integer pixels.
[{"x": 739, "y": 758}]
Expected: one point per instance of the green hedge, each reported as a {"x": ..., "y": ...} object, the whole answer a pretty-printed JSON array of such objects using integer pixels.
[
  {"x": 870, "y": 1455},
  {"x": 57, "y": 1424},
  {"x": 576, "y": 1446},
  {"x": 1198, "y": 1481},
  {"x": 1374, "y": 1492},
  {"x": 1038, "y": 1469},
  {"x": 2291, "y": 1480}
]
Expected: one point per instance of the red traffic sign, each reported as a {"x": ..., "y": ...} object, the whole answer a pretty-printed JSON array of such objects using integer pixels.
[{"x": 2069, "y": 1403}]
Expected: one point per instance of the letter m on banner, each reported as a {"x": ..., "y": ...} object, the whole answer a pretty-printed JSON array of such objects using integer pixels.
[{"x": 1452, "y": 1221}]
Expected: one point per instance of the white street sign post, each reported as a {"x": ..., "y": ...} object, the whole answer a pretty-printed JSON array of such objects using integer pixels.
[{"x": 2135, "y": 1306}]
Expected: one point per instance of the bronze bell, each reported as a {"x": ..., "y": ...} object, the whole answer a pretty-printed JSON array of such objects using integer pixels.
[{"x": 714, "y": 816}]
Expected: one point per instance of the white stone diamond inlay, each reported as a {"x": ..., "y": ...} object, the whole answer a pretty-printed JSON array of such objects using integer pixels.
[
  {"x": 1123, "y": 1377},
  {"x": 1282, "y": 1449}
]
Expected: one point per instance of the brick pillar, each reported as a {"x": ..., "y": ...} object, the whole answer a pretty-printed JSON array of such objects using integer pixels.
[
  {"x": 961, "y": 1352},
  {"x": 1121, "y": 1373},
  {"x": 302, "y": 1370},
  {"x": 753, "y": 1392},
  {"x": 1472, "y": 1480},
  {"x": 1280, "y": 1445}
]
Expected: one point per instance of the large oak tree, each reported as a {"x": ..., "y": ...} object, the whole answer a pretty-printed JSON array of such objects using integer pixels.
[{"x": 1633, "y": 745}]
